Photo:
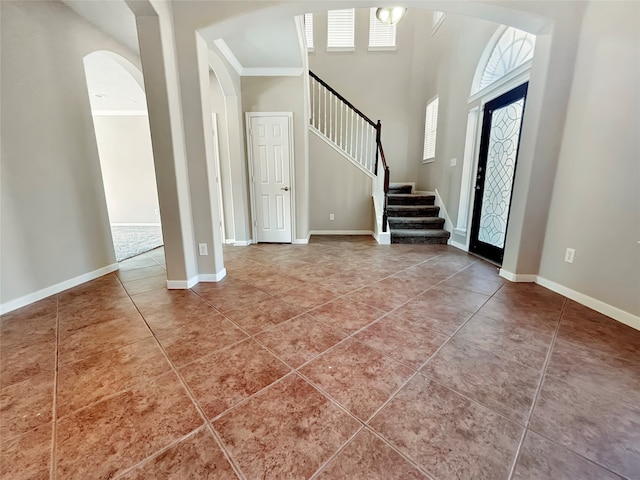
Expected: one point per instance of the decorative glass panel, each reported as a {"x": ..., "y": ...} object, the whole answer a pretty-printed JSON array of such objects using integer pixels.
[
  {"x": 514, "y": 48},
  {"x": 501, "y": 162}
]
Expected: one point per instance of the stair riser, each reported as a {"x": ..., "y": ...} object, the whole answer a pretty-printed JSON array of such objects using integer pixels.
[
  {"x": 436, "y": 225},
  {"x": 405, "y": 189},
  {"x": 426, "y": 211},
  {"x": 418, "y": 240},
  {"x": 413, "y": 200}
]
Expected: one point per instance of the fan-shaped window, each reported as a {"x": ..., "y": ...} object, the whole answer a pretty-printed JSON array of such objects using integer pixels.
[{"x": 513, "y": 49}]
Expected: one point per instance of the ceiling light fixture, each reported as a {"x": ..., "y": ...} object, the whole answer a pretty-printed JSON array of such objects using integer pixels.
[{"x": 390, "y": 15}]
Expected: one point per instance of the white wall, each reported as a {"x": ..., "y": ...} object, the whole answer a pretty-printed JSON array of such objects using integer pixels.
[
  {"x": 53, "y": 211},
  {"x": 126, "y": 161},
  {"x": 337, "y": 186},
  {"x": 595, "y": 206}
]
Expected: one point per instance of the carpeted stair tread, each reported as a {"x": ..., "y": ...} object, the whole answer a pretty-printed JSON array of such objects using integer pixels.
[
  {"x": 402, "y": 232},
  {"x": 411, "y": 198},
  {"x": 420, "y": 236},
  {"x": 412, "y": 210},
  {"x": 399, "y": 188},
  {"x": 416, "y": 222}
]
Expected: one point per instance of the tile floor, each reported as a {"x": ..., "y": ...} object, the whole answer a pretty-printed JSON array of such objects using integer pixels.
[{"x": 339, "y": 359}]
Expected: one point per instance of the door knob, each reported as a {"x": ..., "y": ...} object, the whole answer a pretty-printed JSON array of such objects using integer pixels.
[{"x": 286, "y": 189}]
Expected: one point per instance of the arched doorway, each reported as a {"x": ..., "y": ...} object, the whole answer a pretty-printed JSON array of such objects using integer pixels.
[
  {"x": 121, "y": 124},
  {"x": 496, "y": 106}
]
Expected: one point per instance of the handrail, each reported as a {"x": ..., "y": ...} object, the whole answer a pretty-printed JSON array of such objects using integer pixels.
[
  {"x": 344, "y": 100},
  {"x": 340, "y": 137}
]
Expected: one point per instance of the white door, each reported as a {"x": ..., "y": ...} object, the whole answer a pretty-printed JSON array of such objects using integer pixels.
[{"x": 271, "y": 158}]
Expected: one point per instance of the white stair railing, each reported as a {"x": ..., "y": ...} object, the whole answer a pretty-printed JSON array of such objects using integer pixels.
[{"x": 346, "y": 127}]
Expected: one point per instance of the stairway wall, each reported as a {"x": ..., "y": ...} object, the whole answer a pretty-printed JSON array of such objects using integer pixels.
[{"x": 339, "y": 187}]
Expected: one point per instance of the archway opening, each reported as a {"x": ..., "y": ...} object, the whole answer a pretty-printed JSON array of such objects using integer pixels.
[{"x": 121, "y": 123}]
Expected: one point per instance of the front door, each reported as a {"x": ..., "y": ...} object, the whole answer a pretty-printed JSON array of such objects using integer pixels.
[
  {"x": 269, "y": 139},
  {"x": 499, "y": 143}
]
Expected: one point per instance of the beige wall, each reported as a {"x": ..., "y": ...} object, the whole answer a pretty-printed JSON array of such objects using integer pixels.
[
  {"x": 445, "y": 65},
  {"x": 54, "y": 216},
  {"x": 377, "y": 83},
  {"x": 337, "y": 186},
  {"x": 595, "y": 206},
  {"x": 285, "y": 94},
  {"x": 126, "y": 161}
]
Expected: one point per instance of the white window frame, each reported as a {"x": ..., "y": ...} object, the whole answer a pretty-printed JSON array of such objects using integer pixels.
[
  {"x": 379, "y": 32},
  {"x": 308, "y": 31},
  {"x": 342, "y": 47},
  {"x": 430, "y": 130}
]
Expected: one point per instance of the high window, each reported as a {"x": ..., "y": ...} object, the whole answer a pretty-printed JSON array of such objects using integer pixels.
[
  {"x": 430, "y": 129},
  {"x": 308, "y": 30},
  {"x": 381, "y": 37},
  {"x": 340, "y": 29},
  {"x": 514, "y": 49}
]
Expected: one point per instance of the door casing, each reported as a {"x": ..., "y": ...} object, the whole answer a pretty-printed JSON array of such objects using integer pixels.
[{"x": 250, "y": 160}]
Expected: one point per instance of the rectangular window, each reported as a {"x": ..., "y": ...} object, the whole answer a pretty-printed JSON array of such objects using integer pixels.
[
  {"x": 340, "y": 30},
  {"x": 430, "y": 128},
  {"x": 381, "y": 37},
  {"x": 308, "y": 30}
]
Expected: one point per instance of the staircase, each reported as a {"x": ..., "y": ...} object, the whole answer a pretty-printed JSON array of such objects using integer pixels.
[{"x": 413, "y": 217}]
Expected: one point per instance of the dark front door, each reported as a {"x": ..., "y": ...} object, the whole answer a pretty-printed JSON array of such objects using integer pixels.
[{"x": 500, "y": 138}]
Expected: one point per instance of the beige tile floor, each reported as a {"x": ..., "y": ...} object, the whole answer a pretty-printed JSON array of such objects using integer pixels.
[{"x": 339, "y": 359}]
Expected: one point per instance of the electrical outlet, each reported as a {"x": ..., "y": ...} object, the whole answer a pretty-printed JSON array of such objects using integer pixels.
[
  {"x": 332, "y": 216},
  {"x": 202, "y": 248},
  {"x": 454, "y": 161},
  {"x": 569, "y": 254}
]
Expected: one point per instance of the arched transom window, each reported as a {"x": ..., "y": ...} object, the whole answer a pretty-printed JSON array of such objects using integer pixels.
[{"x": 514, "y": 48}]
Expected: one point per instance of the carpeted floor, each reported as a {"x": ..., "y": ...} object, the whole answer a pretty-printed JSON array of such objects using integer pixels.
[{"x": 131, "y": 241}]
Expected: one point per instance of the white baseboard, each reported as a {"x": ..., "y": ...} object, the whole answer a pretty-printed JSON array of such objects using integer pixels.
[
  {"x": 136, "y": 224},
  {"x": 621, "y": 316},
  {"x": 229, "y": 241},
  {"x": 242, "y": 243},
  {"x": 448, "y": 226},
  {"x": 57, "y": 288},
  {"x": 341, "y": 232},
  {"x": 203, "y": 277},
  {"x": 383, "y": 238},
  {"x": 517, "y": 277},
  {"x": 302, "y": 241},
  {"x": 458, "y": 245},
  {"x": 212, "y": 277}
]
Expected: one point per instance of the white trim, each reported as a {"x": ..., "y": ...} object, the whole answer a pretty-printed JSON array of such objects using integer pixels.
[
  {"x": 383, "y": 238},
  {"x": 292, "y": 173},
  {"x": 230, "y": 241},
  {"x": 436, "y": 26},
  {"x": 181, "y": 284},
  {"x": 57, "y": 288},
  {"x": 214, "y": 174},
  {"x": 616, "y": 313},
  {"x": 242, "y": 243},
  {"x": 324, "y": 138},
  {"x": 383, "y": 49},
  {"x": 341, "y": 232},
  {"x": 212, "y": 277},
  {"x": 271, "y": 71},
  {"x": 458, "y": 245},
  {"x": 460, "y": 231},
  {"x": 255, "y": 71},
  {"x": 119, "y": 113},
  {"x": 443, "y": 213},
  {"x": 302, "y": 241},
  {"x": 228, "y": 54},
  {"x": 517, "y": 277},
  {"x": 136, "y": 224},
  {"x": 340, "y": 49},
  {"x": 514, "y": 78}
]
